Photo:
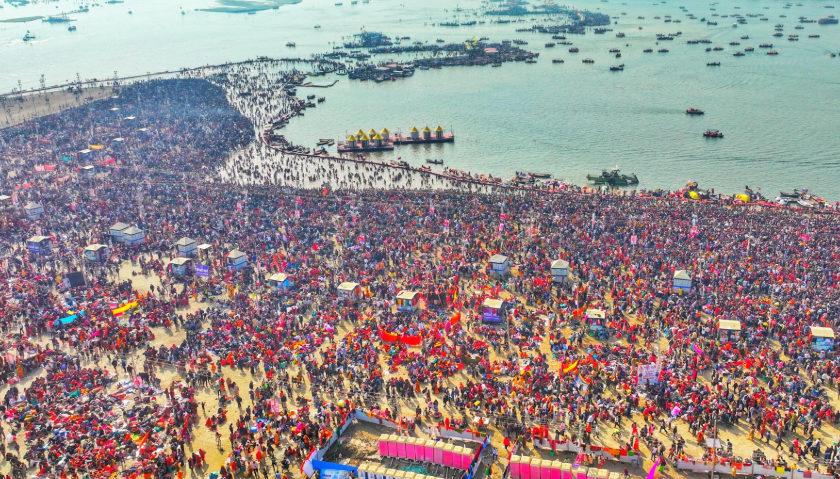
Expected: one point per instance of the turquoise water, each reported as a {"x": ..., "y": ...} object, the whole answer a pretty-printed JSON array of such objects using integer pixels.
[{"x": 779, "y": 113}]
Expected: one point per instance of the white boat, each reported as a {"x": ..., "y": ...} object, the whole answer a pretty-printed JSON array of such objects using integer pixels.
[{"x": 28, "y": 36}]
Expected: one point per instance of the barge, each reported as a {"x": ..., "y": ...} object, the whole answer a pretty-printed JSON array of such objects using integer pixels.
[{"x": 426, "y": 136}]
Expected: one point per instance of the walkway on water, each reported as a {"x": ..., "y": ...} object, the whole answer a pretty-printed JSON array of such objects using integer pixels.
[{"x": 95, "y": 81}]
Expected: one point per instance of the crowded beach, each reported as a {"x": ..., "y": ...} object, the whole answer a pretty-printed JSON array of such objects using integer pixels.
[{"x": 183, "y": 298}]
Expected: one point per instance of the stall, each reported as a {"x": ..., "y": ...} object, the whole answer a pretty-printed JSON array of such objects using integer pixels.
[
  {"x": 560, "y": 271},
  {"x": 822, "y": 339},
  {"x": 89, "y": 171},
  {"x": 493, "y": 310},
  {"x": 280, "y": 281},
  {"x": 204, "y": 250},
  {"x": 181, "y": 267},
  {"x": 33, "y": 209},
  {"x": 348, "y": 290},
  {"x": 407, "y": 301},
  {"x": 186, "y": 247},
  {"x": 596, "y": 319},
  {"x": 498, "y": 266},
  {"x": 97, "y": 253},
  {"x": 236, "y": 260},
  {"x": 117, "y": 231},
  {"x": 682, "y": 281},
  {"x": 133, "y": 236},
  {"x": 39, "y": 245},
  {"x": 729, "y": 330},
  {"x": 5, "y": 201}
]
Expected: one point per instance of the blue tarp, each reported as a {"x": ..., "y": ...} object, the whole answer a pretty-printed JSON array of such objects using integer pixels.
[
  {"x": 320, "y": 465},
  {"x": 69, "y": 319}
]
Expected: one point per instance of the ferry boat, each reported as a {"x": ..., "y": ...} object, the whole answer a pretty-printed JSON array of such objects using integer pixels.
[
  {"x": 28, "y": 36},
  {"x": 694, "y": 111},
  {"x": 713, "y": 134},
  {"x": 828, "y": 21}
]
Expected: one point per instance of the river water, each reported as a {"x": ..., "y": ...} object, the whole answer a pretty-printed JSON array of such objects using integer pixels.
[{"x": 779, "y": 113}]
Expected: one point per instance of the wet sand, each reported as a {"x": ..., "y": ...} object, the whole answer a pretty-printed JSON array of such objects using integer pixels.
[{"x": 16, "y": 110}]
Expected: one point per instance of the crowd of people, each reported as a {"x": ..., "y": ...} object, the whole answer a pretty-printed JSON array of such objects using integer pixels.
[{"x": 96, "y": 382}]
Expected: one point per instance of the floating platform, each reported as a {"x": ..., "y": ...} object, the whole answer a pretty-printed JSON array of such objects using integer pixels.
[
  {"x": 407, "y": 140},
  {"x": 350, "y": 147}
]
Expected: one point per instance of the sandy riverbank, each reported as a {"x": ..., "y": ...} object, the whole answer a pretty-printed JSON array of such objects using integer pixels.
[{"x": 27, "y": 107}]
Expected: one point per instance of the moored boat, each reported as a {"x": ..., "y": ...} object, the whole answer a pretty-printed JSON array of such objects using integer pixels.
[{"x": 613, "y": 178}]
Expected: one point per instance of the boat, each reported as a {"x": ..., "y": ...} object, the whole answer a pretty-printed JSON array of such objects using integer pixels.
[
  {"x": 828, "y": 21},
  {"x": 325, "y": 141},
  {"x": 663, "y": 50},
  {"x": 619, "y": 35},
  {"x": 557, "y": 60},
  {"x": 338, "y": 4},
  {"x": 745, "y": 37},
  {"x": 738, "y": 54},
  {"x": 766, "y": 45},
  {"x": 749, "y": 49},
  {"x": 28, "y": 36},
  {"x": 434, "y": 162},
  {"x": 56, "y": 19},
  {"x": 317, "y": 26},
  {"x": 588, "y": 60},
  {"x": 540, "y": 175},
  {"x": 574, "y": 50},
  {"x": 713, "y": 64},
  {"x": 550, "y": 45},
  {"x": 290, "y": 44},
  {"x": 694, "y": 111},
  {"x": 619, "y": 68},
  {"x": 613, "y": 178},
  {"x": 648, "y": 50},
  {"x": 712, "y": 134},
  {"x": 71, "y": 28},
  {"x": 813, "y": 36},
  {"x": 772, "y": 52}
]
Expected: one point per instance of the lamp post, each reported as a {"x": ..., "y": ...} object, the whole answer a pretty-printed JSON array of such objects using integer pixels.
[{"x": 714, "y": 444}]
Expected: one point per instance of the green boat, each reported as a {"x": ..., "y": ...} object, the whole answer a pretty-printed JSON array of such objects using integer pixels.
[{"x": 613, "y": 178}]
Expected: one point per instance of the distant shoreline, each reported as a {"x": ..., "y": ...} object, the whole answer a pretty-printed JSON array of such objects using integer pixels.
[{"x": 22, "y": 19}]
